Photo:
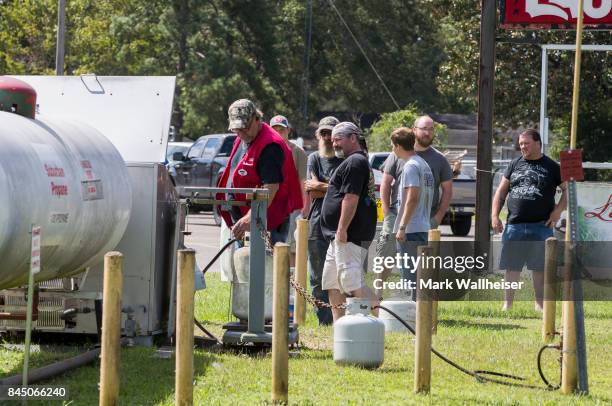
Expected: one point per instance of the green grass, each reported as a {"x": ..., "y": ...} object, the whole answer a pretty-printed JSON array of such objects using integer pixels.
[{"x": 477, "y": 335}]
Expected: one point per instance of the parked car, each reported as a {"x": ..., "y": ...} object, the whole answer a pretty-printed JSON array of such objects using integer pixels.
[
  {"x": 377, "y": 159},
  {"x": 202, "y": 165},
  {"x": 174, "y": 147}
]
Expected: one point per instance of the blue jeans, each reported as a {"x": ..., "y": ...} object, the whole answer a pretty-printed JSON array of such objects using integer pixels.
[
  {"x": 523, "y": 244},
  {"x": 316, "y": 259},
  {"x": 409, "y": 247}
]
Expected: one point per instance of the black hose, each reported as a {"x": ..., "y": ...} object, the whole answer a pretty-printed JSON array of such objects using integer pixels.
[
  {"x": 57, "y": 368},
  {"x": 205, "y": 331},
  {"x": 479, "y": 375},
  {"x": 54, "y": 369},
  {"x": 548, "y": 384},
  {"x": 212, "y": 261}
]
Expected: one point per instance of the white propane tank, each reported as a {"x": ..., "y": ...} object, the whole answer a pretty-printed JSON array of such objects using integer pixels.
[
  {"x": 66, "y": 177},
  {"x": 240, "y": 285},
  {"x": 359, "y": 338},
  {"x": 404, "y": 308}
]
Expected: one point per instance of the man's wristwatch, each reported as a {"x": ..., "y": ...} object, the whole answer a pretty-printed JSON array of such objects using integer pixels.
[{"x": 402, "y": 228}]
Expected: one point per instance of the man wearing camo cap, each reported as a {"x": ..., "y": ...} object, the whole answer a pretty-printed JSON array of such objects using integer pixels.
[
  {"x": 260, "y": 158},
  {"x": 348, "y": 220},
  {"x": 321, "y": 165}
]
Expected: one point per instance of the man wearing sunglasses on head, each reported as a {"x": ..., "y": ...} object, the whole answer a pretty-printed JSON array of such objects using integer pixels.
[
  {"x": 260, "y": 158},
  {"x": 321, "y": 165}
]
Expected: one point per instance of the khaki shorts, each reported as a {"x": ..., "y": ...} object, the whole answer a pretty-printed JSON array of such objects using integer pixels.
[{"x": 343, "y": 269}]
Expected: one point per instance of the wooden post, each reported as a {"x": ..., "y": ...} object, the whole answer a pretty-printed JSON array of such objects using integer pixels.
[
  {"x": 434, "y": 243},
  {"x": 185, "y": 289},
  {"x": 484, "y": 163},
  {"x": 301, "y": 269},
  {"x": 111, "y": 329},
  {"x": 569, "y": 374},
  {"x": 280, "y": 324},
  {"x": 550, "y": 276},
  {"x": 422, "y": 358},
  {"x": 569, "y": 369}
]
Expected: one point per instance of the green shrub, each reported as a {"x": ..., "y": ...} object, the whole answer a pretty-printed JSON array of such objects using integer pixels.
[{"x": 379, "y": 134}]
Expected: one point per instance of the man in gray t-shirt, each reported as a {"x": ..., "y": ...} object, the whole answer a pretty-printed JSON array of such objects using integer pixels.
[
  {"x": 416, "y": 191},
  {"x": 416, "y": 174},
  {"x": 442, "y": 172}
]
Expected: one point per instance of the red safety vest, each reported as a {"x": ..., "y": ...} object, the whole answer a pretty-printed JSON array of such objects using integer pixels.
[{"x": 287, "y": 199}]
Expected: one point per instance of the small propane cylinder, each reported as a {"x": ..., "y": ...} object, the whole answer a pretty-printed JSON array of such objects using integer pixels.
[
  {"x": 359, "y": 338},
  {"x": 240, "y": 285},
  {"x": 401, "y": 306}
]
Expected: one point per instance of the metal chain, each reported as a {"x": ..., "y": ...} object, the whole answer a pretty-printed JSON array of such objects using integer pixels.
[
  {"x": 311, "y": 299},
  {"x": 265, "y": 235}
]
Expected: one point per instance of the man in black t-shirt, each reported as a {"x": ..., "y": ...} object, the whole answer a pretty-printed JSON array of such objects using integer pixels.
[
  {"x": 321, "y": 165},
  {"x": 530, "y": 182},
  {"x": 348, "y": 220}
]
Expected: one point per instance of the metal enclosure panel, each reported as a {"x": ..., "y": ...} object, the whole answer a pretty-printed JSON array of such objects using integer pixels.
[
  {"x": 132, "y": 112},
  {"x": 148, "y": 246}
]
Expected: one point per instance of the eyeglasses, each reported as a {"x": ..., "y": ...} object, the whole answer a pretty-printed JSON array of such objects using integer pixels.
[
  {"x": 429, "y": 129},
  {"x": 325, "y": 133}
]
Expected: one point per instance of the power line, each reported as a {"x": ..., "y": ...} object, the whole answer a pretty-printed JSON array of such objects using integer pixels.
[{"x": 331, "y": 3}]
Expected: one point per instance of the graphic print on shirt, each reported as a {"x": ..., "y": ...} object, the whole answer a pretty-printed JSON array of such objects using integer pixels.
[
  {"x": 528, "y": 182},
  {"x": 372, "y": 186}
]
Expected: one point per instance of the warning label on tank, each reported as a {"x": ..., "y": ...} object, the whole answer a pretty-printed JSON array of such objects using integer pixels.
[
  {"x": 92, "y": 190},
  {"x": 88, "y": 170}
]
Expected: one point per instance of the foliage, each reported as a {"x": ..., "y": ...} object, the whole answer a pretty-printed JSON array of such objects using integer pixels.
[
  {"x": 592, "y": 136},
  {"x": 220, "y": 53},
  {"x": 380, "y": 132},
  {"x": 425, "y": 51},
  {"x": 517, "y": 78}
]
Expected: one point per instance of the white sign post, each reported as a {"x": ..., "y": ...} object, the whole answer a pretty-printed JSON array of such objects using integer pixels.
[{"x": 34, "y": 269}]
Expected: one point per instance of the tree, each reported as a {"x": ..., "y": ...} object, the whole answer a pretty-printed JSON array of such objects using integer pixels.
[
  {"x": 517, "y": 77},
  {"x": 380, "y": 133}
]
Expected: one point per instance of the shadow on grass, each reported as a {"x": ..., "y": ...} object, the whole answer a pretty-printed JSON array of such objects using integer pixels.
[
  {"x": 308, "y": 354},
  {"x": 483, "y": 326}
]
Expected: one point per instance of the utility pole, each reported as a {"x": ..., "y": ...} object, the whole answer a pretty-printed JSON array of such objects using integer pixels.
[
  {"x": 484, "y": 184},
  {"x": 306, "y": 75},
  {"x": 61, "y": 36}
]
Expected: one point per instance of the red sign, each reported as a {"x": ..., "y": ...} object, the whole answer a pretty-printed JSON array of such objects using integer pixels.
[
  {"x": 555, "y": 13},
  {"x": 571, "y": 165}
]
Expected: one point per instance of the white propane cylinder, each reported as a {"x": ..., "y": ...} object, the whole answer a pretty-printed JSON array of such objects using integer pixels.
[
  {"x": 240, "y": 285},
  {"x": 359, "y": 338},
  {"x": 404, "y": 308},
  {"x": 66, "y": 177}
]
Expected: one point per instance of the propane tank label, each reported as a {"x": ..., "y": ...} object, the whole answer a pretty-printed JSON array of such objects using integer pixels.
[
  {"x": 59, "y": 189},
  {"x": 88, "y": 170},
  {"x": 92, "y": 190},
  {"x": 54, "y": 171}
]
